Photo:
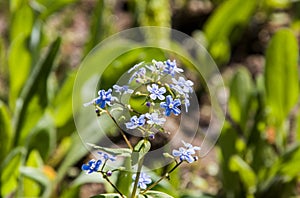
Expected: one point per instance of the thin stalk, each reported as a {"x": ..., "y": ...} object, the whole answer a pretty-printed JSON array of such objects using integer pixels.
[
  {"x": 122, "y": 131},
  {"x": 162, "y": 177},
  {"x": 115, "y": 187},
  {"x": 138, "y": 173}
]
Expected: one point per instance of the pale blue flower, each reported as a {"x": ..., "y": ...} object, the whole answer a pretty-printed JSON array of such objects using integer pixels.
[
  {"x": 157, "y": 67},
  {"x": 186, "y": 154},
  {"x": 144, "y": 179},
  {"x": 171, "y": 106},
  {"x": 122, "y": 89},
  {"x": 106, "y": 156},
  {"x": 154, "y": 119},
  {"x": 190, "y": 147},
  {"x": 183, "y": 85},
  {"x": 91, "y": 166},
  {"x": 138, "y": 75},
  {"x": 156, "y": 92},
  {"x": 135, "y": 122},
  {"x": 171, "y": 68}
]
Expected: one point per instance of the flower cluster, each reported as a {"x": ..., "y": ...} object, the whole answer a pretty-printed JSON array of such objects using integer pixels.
[{"x": 164, "y": 91}]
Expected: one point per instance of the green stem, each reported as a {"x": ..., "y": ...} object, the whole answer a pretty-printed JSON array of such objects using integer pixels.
[
  {"x": 108, "y": 180},
  {"x": 138, "y": 173},
  {"x": 122, "y": 131},
  {"x": 166, "y": 175}
]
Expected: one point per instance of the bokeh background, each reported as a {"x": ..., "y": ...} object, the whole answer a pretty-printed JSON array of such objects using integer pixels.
[{"x": 255, "y": 44}]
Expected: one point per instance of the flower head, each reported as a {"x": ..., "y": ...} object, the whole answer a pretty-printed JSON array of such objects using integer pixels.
[
  {"x": 144, "y": 179},
  {"x": 156, "y": 92},
  {"x": 171, "y": 68},
  {"x": 103, "y": 99},
  {"x": 135, "y": 122},
  {"x": 106, "y": 156},
  {"x": 171, "y": 106},
  {"x": 182, "y": 85},
  {"x": 91, "y": 166},
  {"x": 154, "y": 119},
  {"x": 186, "y": 154},
  {"x": 122, "y": 89},
  {"x": 138, "y": 75}
]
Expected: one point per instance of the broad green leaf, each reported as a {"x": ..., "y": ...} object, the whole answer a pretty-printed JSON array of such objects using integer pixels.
[
  {"x": 48, "y": 7},
  {"x": 113, "y": 151},
  {"x": 43, "y": 137},
  {"x": 290, "y": 163},
  {"x": 37, "y": 174},
  {"x": 32, "y": 188},
  {"x": 6, "y": 134},
  {"x": 10, "y": 171},
  {"x": 21, "y": 21},
  {"x": 19, "y": 64},
  {"x": 281, "y": 75},
  {"x": 224, "y": 21},
  {"x": 34, "y": 91},
  {"x": 247, "y": 176},
  {"x": 62, "y": 103},
  {"x": 241, "y": 90},
  {"x": 109, "y": 195},
  {"x": 124, "y": 179},
  {"x": 155, "y": 194}
]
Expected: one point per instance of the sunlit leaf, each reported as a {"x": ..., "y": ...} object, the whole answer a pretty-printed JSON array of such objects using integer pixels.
[
  {"x": 6, "y": 135},
  {"x": 10, "y": 171},
  {"x": 281, "y": 75},
  {"x": 248, "y": 177}
]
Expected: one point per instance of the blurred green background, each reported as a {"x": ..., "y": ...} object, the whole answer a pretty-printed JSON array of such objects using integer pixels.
[{"x": 255, "y": 44}]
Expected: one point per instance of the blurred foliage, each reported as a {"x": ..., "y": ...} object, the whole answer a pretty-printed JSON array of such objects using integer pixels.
[{"x": 258, "y": 150}]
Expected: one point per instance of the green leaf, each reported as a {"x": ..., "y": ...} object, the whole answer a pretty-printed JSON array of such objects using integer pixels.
[
  {"x": 10, "y": 171},
  {"x": 241, "y": 90},
  {"x": 155, "y": 194},
  {"x": 124, "y": 179},
  {"x": 140, "y": 150},
  {"x": 110, "y": 195},
  {"x": 18, "y": 55},
  {"x": 6, "y": 134},
  {"x": 34, "y": 91},
  {"x": 61, "y": 106},
  {"x": 32, "y": 188},
  {"x": 247, "y": 175},
  {"x": 225, "y": 21},
  {"x": 126, "y": 152},
  {"x": 281, "y": 75},
  {"x": 38, "y": 175}
]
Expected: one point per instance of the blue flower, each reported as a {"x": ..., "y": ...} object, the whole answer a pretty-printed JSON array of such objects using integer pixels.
[
  {"x": 171, "y": 106},
  {"x": 138, "y": 75},
  {"x": 122, "y": 89},
  {"x": 91, "y": 166},
  {"x": 192, "y": 149},
  {"x": 107, "y": 156},
  {"x": 183, "y": 85},
  {"x": 156, "y": 92},
  {"x": 186, "y": 154},
  {"x": 157, "y": 67},
  {"x": 103, "y": 99},
  {"x": 135, "y": 122},
  {"x": 144, "y": 179},
  {"x": 154, "y": 119},
  {"x": 171, "y": 68}
]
